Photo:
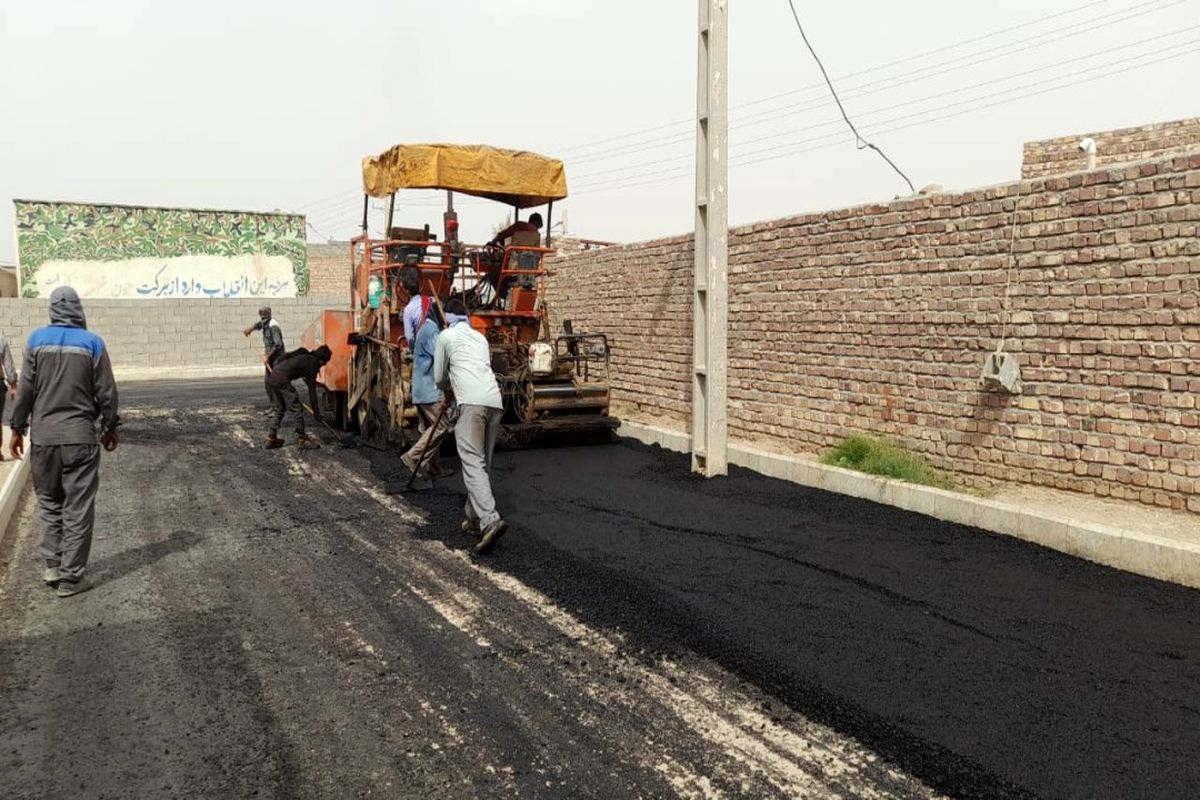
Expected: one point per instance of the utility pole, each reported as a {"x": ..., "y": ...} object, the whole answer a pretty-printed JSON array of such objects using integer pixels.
[{"x": 710, "y": 307}]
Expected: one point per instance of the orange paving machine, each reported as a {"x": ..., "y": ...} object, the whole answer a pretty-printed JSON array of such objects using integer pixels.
[{"x": 549, "y": 382}]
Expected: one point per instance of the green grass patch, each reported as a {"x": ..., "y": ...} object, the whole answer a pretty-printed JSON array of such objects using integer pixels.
[{"x": 887, "y": 458}]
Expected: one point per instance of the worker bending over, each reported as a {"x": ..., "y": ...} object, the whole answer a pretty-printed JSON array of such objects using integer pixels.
[
  {"x": 421, "y": 327},
  {"x": 462, "y": 363},
  {"x": 298, "y": 365}
]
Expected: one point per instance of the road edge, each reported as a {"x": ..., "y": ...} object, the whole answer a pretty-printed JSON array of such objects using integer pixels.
[
  {"x": 1131, "y": 551},
  {"x": 10, "y": 496},
  {"x": 156, "y": 374}
]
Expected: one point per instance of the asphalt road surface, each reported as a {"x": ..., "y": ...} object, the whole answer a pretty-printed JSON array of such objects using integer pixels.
[{"x": 274, "y": 624}]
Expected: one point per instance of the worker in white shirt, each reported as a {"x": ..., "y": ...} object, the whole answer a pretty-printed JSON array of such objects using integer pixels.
[{"x": 462, "y": 364}]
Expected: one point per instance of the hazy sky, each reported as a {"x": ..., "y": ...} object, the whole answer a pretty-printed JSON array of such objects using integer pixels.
[{"x": 265, "y": 105}]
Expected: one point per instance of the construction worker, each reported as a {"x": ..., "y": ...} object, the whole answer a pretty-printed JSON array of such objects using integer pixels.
[
  {"x": 272, "y": 336},
  {"x": 418, "y": 304},
  {"x": 462, "y": 362},
  {"x": 534, "y": 225},
  {"x": 298, "y": 365},
  {"x": 66, "y": 386},
  {"x": 421, "y": 329},
  {"x": 8, "y": 382}
]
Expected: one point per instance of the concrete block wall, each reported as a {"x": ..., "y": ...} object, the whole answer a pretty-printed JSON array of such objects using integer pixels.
[
  {"x": 877, "y": 319},
  {"x": 171, "y": 333},
  {"x": 1062, "y": 154}
]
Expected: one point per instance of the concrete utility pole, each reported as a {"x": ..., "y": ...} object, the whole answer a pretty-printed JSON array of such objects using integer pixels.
[{"x": 710, "y": 308}]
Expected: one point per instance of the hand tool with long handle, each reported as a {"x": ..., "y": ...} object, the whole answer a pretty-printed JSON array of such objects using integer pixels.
[
  {"x": 428, "y": 448},
  {"x": 341, "y": 440},
  {"x": 441, "y": 408}
]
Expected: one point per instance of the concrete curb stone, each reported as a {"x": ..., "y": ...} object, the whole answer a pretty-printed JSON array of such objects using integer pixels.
[
  {"x": 1130, "y": 550},
  {"x": 10, "y": 494}
]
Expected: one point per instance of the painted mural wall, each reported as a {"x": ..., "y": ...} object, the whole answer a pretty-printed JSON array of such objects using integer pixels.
[{"x": 139, "y": 252}]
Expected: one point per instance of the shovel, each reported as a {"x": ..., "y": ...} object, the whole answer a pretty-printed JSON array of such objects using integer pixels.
[
  {"x": 342, "y": 441},
  {"x": 408, "y": 487}
]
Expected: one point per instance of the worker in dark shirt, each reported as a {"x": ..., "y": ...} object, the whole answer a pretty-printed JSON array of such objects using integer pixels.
[
  {"x": 66, "y": 389},
  {"x": 534, "y": 225},
  {"x": 299, "y": 365}
]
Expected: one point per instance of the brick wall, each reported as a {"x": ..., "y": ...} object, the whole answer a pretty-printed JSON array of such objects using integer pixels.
[
  {"x": 877, "y": 319},
  {"x": 1062, "y": 155},
  {"x": 329, "y": 269},
  {"x": 641, "y": 295},
  {"x": 169, "y": 333}
]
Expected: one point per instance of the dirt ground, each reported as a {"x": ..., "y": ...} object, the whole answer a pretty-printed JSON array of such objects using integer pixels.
[{"x": 273, "y": 623}]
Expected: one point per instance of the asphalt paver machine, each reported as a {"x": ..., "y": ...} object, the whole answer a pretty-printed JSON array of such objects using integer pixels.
[{"x": 550, "y": 381}]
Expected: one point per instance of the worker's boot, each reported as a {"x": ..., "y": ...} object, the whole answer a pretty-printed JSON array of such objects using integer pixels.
[
  {"x": 306, "y": 442},
  {"x": 274, "y": 442},
  {"x": 490, "y": 535},
  {"x": 67, "y": 588}
]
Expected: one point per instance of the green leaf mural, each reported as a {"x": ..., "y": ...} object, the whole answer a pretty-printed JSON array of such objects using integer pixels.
[{"x": 48, "y": 231}]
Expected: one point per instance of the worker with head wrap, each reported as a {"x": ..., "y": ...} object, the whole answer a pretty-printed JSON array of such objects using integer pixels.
[
  {"x": 272, "y": 336},
  {"x": 462, "y": 365},
  {"x": 421, "y": 326}
]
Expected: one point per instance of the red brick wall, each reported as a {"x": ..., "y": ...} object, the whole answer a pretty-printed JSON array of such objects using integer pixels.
[
  {"x": 877, "y": 318},
  {"x": 1062, "y": 155},
  {"x": 641, "y": 296},
  {"x": 329, "y": 269}
]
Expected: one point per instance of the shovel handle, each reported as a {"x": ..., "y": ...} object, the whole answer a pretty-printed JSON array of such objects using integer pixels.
[{"x": 425, "y": 452}]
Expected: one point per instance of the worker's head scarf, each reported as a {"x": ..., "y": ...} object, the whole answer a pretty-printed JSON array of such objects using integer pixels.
[{"x": 65, "y": 308}]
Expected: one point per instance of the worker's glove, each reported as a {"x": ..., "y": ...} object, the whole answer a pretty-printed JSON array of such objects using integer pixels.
[{"x": 110, "y": 440}]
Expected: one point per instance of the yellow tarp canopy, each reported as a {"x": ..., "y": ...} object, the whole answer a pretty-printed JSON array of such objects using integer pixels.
[{"x": 513, "y": 177}]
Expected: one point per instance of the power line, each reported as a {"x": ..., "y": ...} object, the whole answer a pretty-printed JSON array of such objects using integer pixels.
[
  {"x": 317, "y": 232},
  {"x": 942, "y": 49},
  {"x": 876, "y": 68},
  {"x": 859, "y": 141},
  {"x": 1021, "y": 45},
  {"x": 677, "y": 173},
  {"x": 783, "y": 151},
  {"x": 894, "y": 81},
  {"x": 985, "y": 106},
  {"x": 1055, "y": 66}
]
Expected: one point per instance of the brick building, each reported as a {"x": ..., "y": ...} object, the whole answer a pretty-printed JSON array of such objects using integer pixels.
[
  {"x": 329, "y": 269},
  {"x": 877, "y": 319},
  {"x": 1063, "y": 154}
]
